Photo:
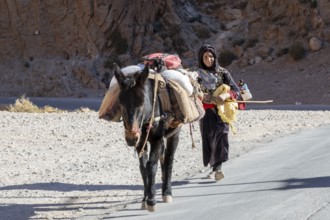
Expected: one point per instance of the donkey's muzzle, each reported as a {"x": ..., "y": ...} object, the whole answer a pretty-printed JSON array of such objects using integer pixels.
[{"x": 132, "y": 136}]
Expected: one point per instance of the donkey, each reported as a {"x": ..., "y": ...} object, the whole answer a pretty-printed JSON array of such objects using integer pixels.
[{"x": 138, "y": 107}]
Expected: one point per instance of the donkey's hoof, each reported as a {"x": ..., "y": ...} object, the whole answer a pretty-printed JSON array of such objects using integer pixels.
[
  {"x": 143, "y": 206},
  {"x": 167, "y": 199},
  {"x": 151, "y": 208}
]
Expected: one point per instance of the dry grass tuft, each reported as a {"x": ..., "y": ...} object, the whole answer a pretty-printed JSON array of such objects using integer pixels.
[
  {"x": 3, "y": 107},
  {"x": 297, "y": 51},
  {"x": 83, "y": 109},
  {"x": 23, "y": 104}
]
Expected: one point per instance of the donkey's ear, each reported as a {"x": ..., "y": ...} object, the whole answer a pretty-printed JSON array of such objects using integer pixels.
[
  {"x": 143, "y": 76},
  {"x": 118, "y": 73}
]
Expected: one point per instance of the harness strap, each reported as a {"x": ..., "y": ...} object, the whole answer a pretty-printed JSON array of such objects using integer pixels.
[
  {"x": 161, "y": 79},
  {"x": 152, "y": 114}
]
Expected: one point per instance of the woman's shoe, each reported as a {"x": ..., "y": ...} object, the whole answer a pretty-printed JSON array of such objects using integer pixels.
[
  {"x": 210, "y": 175},
  {"x": 218, "y": 175}
]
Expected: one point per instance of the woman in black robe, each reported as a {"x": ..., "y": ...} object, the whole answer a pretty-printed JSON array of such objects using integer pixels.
[{"x": 214, "y": 130}]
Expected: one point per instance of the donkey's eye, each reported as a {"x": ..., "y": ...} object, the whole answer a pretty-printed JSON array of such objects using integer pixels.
[{"x": 139, "y": 103}]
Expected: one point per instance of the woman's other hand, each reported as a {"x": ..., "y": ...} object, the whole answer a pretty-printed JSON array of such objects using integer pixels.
[{"x": 206, "y": 97}]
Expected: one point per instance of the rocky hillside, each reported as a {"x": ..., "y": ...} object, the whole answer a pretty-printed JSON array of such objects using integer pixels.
[{"x": 64, "y": 48}]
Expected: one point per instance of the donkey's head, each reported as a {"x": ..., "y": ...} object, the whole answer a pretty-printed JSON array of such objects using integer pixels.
[{"x": 132, "y": 101}]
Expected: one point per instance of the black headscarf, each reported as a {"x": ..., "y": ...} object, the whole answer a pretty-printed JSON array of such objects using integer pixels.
[
  {"x": 215, "y": 75},
  {"x": 202, "y": 50}
]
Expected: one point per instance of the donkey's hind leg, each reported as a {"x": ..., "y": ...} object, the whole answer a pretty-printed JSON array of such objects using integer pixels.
[
  {"x": 166, "y": 199},
  {"x": 162, "y": 158},
  {"x": 171, "y": 145}
]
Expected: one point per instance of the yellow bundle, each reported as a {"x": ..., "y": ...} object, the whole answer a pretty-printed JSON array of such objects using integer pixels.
[{"x": 227, "y": 110}]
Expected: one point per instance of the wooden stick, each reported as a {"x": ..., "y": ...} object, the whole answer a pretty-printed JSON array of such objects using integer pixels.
[{"x": 252, "y": 101}]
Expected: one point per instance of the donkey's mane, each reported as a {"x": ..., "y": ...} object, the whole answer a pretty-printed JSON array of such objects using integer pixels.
[{"x": 129, "y": 82}]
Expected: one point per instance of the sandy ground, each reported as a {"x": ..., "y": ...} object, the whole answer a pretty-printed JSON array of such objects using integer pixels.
[{"x": 76, "y": 166}]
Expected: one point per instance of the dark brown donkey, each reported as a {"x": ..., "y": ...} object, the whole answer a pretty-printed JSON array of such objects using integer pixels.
[{"x": 136, "y": 100}]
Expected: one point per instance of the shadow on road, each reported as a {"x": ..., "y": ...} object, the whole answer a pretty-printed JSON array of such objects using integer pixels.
[
  {"x": 287, "y": 184},
  {"x": 73, "y": 204},
  {"x": 27, "y": 211},
  {"x": 295, "y": 183},
  {"x": 66, "y": 187}
]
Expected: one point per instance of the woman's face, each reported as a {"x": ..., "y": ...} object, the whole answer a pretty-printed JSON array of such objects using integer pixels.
[{"x": 208, "y": 59}]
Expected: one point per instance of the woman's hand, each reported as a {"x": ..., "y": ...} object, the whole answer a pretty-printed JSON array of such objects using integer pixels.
[{"x": 221, "y": 98}]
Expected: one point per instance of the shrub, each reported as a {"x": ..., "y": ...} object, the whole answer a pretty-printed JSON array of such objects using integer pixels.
[
  {"x": 297, "y": 51},
  {"x": 118, "y": 42},
  {"x": 251, "y": 42},
  {"x": 241, "y": 5},
  {"x": 26, "y": 64},
  {"x": 226, "y": 58},
  {"x": 223, "y": 27},
  {"x": 174, "y": 29},
  {"x": 158, "y": 27},
  {"x": 202, "y": 31},
  {"x": 178, "y": 42},
  {"x": 108, "y": 62},
  {"x": 238, "y": 42},
  {"x": 282, "y": 51},
  {"x": 195, "y": 19},
  {"x": 313, "y": 4},
  {"x": 25, "y": 105}
]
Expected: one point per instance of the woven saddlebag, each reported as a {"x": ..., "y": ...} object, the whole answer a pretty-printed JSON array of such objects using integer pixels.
[
  {"x": 185, "y": 108},
  {"x": 109, "y": 109}
]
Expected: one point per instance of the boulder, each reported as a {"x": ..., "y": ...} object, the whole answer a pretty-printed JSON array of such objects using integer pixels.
[{"x": 315, "y": 44}]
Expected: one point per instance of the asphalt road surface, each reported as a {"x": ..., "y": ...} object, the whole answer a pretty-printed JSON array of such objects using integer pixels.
[{"x": 288, "y": 178}]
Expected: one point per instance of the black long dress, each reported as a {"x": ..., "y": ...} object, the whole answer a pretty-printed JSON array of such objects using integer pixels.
[{"x": 214, "y": 138}]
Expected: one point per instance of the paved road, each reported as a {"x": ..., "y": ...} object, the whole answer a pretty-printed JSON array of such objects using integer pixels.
[{"x": 286, "y": 179}]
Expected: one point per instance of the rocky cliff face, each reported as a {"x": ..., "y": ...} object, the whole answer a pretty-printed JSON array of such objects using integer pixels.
[{"x": 60, "y": 48}]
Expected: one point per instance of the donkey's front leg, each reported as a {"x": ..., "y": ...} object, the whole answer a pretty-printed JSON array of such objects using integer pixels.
[
  {"x": 144, "y": 174},
  {"x": 152, "y": 164}
]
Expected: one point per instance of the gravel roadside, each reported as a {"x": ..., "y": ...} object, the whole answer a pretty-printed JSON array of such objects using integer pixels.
[{"x": 74, "y": 165}]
